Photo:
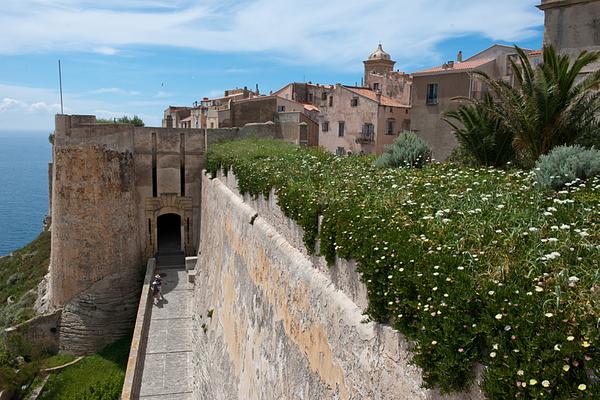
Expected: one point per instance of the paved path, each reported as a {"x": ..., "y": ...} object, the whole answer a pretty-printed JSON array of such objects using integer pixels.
[{"x": 167, "y": 367}]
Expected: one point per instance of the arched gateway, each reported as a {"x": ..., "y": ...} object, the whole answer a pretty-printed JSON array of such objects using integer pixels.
[{"x": 169, "y": 233}]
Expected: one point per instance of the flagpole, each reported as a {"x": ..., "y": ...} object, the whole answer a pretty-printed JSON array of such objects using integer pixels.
[{"x": 60, "y": 83}]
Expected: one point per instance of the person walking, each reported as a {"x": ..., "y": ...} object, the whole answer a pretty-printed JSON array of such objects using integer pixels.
[{"x": 157, "y": 287}]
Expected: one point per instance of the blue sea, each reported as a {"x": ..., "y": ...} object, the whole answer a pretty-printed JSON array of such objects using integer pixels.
[{"x": 24, "y": 158}]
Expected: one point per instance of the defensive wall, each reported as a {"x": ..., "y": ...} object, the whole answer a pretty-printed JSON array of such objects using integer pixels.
[
  {"x": 272, "y": 322},
  {"x": 112, "y": 185}
]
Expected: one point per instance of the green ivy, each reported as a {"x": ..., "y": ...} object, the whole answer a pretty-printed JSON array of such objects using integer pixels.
[{"x": 474, "y": 266}]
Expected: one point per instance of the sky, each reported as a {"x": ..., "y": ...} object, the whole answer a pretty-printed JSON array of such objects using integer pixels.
[{"x": 137, "y": 57}]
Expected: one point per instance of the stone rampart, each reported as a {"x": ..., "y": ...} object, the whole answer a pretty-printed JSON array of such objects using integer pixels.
[
  {"x": 270, "y": 322},
  {"x": 110, "y": 183}
]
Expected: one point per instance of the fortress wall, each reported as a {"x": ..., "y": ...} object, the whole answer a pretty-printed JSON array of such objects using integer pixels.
[
  {"x": 95, "y": 258},
  {"x": 104, "y": 216},
  {"x": 280, "y": 329},
  {"x": 95, "y": 254}
]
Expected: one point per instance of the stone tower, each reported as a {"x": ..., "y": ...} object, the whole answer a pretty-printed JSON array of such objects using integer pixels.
[
  {"x": 572, "y": 26},
  {"x": 120, "y": 194},
  {"x": 379, "y": 62}
]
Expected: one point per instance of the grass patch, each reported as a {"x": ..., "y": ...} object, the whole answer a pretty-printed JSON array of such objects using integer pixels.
[
  {"x": 99, "y": 376},
  {"x": 473, "y": 265},
  {"x": 20, "y": 274},
  {"x": 56, "y": 360}
]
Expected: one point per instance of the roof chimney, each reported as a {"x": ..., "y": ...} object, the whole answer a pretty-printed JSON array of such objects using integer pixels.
[
  {"x": 257, "y": 92},
  {"x": 459, "y": 56}
]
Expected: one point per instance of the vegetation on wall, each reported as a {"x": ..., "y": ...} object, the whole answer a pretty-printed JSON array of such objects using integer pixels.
[
  {"x": 475, "y": 266},
  {"x": 135, "y": 120},
  {"x": 407, "y": 151},
  {"x": 567, "y": 165}
]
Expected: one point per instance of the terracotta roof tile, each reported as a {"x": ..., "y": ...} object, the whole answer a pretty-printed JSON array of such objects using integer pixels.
[
  {"x": 370, "y": 94},
  {"x": 310, "y": 107},
  {"x": 458, "y": 66}
]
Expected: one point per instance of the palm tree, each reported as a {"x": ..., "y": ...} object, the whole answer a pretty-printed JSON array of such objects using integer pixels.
[
  {"x": 482, "y": 132},
  {"x": 549, "y": 105}
]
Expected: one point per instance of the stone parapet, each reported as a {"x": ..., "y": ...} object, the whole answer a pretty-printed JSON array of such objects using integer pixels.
[
  {"x": 269, "y": 323},
  {"x": 135, "y": 363}
]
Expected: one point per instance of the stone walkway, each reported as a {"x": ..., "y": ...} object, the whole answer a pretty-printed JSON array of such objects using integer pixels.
[{"x": 167, "y": 367}]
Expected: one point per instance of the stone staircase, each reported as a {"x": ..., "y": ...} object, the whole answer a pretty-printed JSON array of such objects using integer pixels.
[
  {"x": 190, "y": 267},
  {"x": 170, "y": 258}
]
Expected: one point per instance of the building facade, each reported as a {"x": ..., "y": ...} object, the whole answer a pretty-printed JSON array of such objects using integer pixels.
[
  {"x": 435, "y": 91},
  {"x": 358, "y": 119},
  {"x": 572, "y": 26}
]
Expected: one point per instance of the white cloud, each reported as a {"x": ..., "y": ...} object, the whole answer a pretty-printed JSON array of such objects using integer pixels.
[
  {"x": 162, "y": 95},
  {"x": 114, "y": 90},
  {"x": 335, "y": 32},
  {"x": 34, "y": 108},
  {"x": 8, "y": 105},
  {"x": 107, "y": 51}
]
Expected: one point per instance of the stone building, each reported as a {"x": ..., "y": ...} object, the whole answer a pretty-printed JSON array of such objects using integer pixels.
[
  {"x": 174, "y": 115},
  {"x": 572, "y": 26},
  {"x": 120, "y": 194},
  {"x": 358, "y": 119},
  {"x": 380, "y": 76},
  {"x": 434, "y": 90}
]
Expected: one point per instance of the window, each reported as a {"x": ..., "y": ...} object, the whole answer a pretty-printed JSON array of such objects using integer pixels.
[
  {"x": 406, "y": 125},
  {"x": 354, "y": 102},
  {"x": 310, "y": 97},
  {"x": 324, "y": 96},
  {"x": 331, "y": 101},
  {"x": 368, "y": 132},
  {"x": 391, "y": 126},
  {"x": 376, "y": 86},
  {"x": 280, "y": 108},
  {"x": 325, "y": 126},
  {"x": 341, "y": 128},
  {"x": 432, "y": 93},
  {"x": 340, "y": 151}
]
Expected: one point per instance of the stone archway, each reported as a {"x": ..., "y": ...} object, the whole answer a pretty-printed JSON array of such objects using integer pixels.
[
  {"x": 168, "y": 232},
  {"x": 169, "y": 204}
]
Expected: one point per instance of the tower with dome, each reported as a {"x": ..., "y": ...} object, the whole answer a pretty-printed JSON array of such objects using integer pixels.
[{"x": 381, "y": 77}]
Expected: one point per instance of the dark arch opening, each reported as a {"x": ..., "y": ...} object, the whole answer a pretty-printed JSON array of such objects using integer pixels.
[{"x": 169, "y": 233}]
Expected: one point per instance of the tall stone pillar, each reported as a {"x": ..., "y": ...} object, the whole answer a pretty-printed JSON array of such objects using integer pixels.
[{"x": 96, "y": 261}]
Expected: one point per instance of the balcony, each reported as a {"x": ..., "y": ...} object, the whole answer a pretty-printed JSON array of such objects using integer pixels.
[{"x": 365, "y": 138}]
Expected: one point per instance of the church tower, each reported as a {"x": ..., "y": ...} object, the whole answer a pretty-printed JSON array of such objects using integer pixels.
[{"x": 379, "y": 62}]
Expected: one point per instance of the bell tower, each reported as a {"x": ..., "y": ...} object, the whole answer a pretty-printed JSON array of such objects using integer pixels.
[{"x": 379, "y": 62}]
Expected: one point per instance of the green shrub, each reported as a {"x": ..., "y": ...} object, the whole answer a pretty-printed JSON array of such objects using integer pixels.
[
  {"x": 461, "y": 156},
  {"x": 565, "y": 165},
  {"x": 481, "y": 132},
  {"x": 407, "y": 151},
  {"x": 474, "y": 266},
  {"x": 109, "y": 389},
  {"x": 20, "y": 274}
]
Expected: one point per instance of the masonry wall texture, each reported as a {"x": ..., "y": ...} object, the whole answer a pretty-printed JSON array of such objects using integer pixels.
[
  {"x": 110, "y": 183},
  {"x": 279, "y": 328}
]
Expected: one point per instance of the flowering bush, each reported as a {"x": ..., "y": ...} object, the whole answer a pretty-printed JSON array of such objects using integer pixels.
[
  {"x": 407, "y": 151},
  {"x": 566, "y": 164},
  {"x": 475, "y": 266}
]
